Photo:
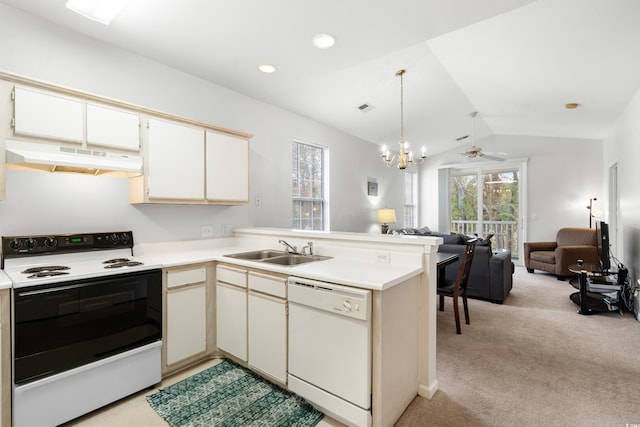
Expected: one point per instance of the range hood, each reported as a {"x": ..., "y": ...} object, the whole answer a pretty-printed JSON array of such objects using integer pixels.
[{"x": 56, "y": 158}]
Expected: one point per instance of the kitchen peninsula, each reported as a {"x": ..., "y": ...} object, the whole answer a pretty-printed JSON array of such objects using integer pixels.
[{"x": 399, "y": 271}]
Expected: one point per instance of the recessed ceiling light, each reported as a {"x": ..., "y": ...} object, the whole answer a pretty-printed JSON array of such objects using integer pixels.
[
  {"x": 102, "y": 11},
  {"x": 571, "y": 106},
  {"x": 323, "y": 40},
  {"x": 267, "y": 68}
]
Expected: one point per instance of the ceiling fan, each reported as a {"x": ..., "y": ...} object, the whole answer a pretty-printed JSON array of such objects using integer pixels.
[{"x": 474, "y": 151}]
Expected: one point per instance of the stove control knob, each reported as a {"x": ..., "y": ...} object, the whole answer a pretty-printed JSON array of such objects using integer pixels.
[
  {"x": 114, "y": 238},
  {"x": 30, "y": 243},
  {"x": 124, "y": 238},
  {"x": 14, "y": 244},
  {"x": 50, "y": 242}
]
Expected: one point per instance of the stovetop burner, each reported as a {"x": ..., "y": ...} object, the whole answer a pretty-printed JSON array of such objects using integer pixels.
[
  {"x": 120, "y": 262},
  {"x": 51, "y": 259},
  {"x": 116, "y": 260},
  {"x": 46, "y": 273},
  {"x": 45, "y": 268},
  {"x": 125, "y": 263}
]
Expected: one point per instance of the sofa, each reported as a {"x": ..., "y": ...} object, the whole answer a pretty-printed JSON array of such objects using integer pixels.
[
  {"x": 491, "y": 277},
  {"x": 571, "y": 244}
]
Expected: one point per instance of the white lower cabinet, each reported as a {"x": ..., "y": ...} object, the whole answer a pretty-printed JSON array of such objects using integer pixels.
[
  {"x": 186, "y": 316},
  {"x": 231, "y": 311},
  {"x": 252, "y": 319},
  {"x": 268, "y": 335}
]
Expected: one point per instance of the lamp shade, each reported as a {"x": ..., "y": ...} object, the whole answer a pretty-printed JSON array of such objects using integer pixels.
[{"x": 386, "y": 216}]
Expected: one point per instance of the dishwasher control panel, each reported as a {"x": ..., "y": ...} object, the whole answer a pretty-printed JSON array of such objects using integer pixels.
[
  {"x": 338, "y": 299},
  {"x": 349, "y": 306}
]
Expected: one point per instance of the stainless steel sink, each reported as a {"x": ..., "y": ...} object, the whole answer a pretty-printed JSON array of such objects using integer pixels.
[
  {"x": 292, "y": 259},
  {"x": 277, "y": 257},
  {"x": 257, "y": 255}
]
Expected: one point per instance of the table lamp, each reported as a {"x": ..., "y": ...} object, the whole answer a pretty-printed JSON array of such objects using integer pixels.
[{"x": 386, "y": 216}]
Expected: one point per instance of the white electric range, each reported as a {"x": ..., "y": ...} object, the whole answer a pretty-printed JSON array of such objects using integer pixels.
[{"x": 85, "y": 312}]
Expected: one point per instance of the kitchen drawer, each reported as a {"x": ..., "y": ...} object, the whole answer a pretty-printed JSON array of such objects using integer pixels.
[
  {"x": 272, "y": 285},
  {"x": 186, "y": 277},
  {"x": 232, "y": 276}
]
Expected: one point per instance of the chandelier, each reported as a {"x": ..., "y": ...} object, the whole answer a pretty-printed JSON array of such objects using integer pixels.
[{"x": 405, "y": 157}]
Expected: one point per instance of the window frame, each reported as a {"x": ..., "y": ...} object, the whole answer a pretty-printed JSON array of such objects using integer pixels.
[
  {"x": 446, "y": 171},
  {"x": 323, "y": 200},
  {"x": 410, "y": 186}
]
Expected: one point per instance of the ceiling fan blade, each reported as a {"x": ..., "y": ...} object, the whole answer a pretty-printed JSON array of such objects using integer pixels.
[{"x": 490, "y": 157}]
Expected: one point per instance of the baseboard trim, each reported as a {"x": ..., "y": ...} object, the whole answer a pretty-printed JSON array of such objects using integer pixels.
[{"x": 428, "y": 391}]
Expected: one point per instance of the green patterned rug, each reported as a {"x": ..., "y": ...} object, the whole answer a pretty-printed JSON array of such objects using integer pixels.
[{"x": 229, "y": 395}]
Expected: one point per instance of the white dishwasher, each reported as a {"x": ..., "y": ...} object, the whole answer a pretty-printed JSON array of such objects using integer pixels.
[{"x": 330, "y": 348}]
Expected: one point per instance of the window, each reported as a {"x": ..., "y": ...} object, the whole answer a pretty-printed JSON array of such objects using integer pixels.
[
  {"x": 486, "y": 200},
  {"x": 410, "y": 199},
  {"x": 308, "y": 175}
]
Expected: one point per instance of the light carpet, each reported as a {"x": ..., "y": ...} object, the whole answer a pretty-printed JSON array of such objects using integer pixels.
[{"x": 533, "y": 361}]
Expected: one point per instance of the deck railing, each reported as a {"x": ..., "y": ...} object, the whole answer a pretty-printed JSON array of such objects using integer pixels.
[{"x": 505, "y": 233}]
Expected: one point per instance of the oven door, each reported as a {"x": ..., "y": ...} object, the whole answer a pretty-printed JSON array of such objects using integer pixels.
[{"x": 61, "y": 326}]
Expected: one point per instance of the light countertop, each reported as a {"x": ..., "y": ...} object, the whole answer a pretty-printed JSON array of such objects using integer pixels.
[
  {"x": 350, "y": 271},
  {"x": 355, "y": 257},
  {"x": 367, "y": 275}
]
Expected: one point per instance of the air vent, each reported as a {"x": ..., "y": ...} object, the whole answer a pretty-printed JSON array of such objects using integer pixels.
[
  {"x": 366, "y": 107},
  {"x": 461, "y": 138}
]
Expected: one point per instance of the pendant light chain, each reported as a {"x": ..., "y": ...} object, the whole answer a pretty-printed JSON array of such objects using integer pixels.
[{"x": 401, "y": 74}]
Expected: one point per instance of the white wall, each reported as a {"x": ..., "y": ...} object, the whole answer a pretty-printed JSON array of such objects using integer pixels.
[
  {"x": 623, "y": 147},
  {"x": 563, "y": 173},
  {"x": 45, "y": 203}
]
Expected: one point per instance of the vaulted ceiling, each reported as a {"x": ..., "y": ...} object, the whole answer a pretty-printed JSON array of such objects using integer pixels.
[{"x": 517, "y": 62}]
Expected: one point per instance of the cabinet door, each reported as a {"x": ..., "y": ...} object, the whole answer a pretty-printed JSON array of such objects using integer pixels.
[
  {"x": 175, "y": 167},
  {"x": 268, "y": 335},
  {"x": 110, "y": 127},
  {"x": 186, "y": 323},
  {"x": 48, "y": 115},
  {"x": 227, "y": 168},
  {"x": 231, "y": 320}
]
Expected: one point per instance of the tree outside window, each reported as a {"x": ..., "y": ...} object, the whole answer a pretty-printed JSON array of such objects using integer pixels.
[
  {"x": 487, "y": 202},
  {"x": 308, "y": 186}
]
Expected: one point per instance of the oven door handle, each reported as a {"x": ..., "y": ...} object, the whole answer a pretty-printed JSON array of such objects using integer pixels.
[{"x": 54, "y": 289}]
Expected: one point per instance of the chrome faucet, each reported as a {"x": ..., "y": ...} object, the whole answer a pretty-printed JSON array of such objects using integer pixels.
[
  {"x": 310, "y": 246},
  {"x": 289, "y": 249}
]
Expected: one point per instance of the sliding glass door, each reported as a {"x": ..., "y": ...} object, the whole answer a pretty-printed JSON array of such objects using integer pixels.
[
  {"x": 485, "y": 201},
  {"x": 463, "y": 193}
]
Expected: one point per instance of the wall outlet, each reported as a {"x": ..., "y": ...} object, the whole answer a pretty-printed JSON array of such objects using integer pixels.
[
  {"x": 224, "y": 229},
  {"x": 383, "y": 257},
  {"x": 257, "y": 200},
  {"x": 206, "y": 230}
]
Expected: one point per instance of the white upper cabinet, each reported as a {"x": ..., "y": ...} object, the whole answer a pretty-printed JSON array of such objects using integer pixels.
[
  {"x": 48, "y": 115},
  {"x": 185, "y": 161},
  {"x": 175, "y": 162},
  {"x": 227, "y": 168},
  {"x": 192, "y": 165},
  {"x": 111, "y": 127}
]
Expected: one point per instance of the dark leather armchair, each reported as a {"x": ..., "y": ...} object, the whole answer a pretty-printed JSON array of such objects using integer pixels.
[{"x": 571, "y": 244}]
